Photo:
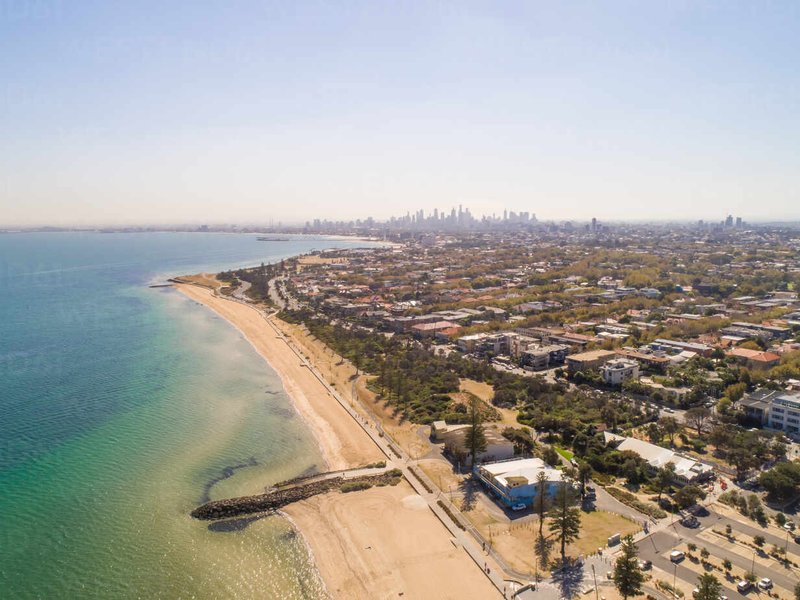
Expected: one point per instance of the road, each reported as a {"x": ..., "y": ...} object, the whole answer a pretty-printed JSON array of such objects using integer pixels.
[{"x": 656, "y": 546}]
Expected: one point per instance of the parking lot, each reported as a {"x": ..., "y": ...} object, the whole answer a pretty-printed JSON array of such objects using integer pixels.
[{"x": 738, "y": 548}]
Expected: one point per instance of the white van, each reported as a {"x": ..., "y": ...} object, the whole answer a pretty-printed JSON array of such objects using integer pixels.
[{"x": 676, "y": 556}]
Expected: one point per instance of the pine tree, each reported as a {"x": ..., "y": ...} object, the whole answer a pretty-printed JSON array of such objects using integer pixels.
[
  {"x": 628, "y": 577},
  {"x": 475, "y": 437},
  {"x": 565, "y": 519},
  {"x": 540, "y": 501}
]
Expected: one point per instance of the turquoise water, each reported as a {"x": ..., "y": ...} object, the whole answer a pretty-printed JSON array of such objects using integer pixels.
[{"x": 125, "y": 406}]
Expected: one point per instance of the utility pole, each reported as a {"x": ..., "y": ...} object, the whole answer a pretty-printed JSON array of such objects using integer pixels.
[{"x": 594, "y": 575}]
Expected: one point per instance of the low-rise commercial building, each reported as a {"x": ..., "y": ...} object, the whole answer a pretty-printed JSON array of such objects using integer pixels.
[
  {"x": 514, "y": 482},
  {"x": 775, "y": 409},
  {"x": 687, "y": 470}
]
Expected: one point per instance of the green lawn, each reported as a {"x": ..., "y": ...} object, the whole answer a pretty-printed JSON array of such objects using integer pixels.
[{"x": 565, "y": 453}]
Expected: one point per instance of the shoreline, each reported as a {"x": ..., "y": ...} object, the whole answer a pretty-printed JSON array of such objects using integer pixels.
[
  {"x": 383, "y": 542},
  {"x": 342, "y": 442}
]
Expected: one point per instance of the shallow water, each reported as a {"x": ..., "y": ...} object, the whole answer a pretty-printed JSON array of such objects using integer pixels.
[{"x": 123, "y": 407}]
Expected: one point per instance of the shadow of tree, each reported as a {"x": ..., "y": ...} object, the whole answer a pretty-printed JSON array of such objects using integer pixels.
[
  {"x": 569, "y": 579},
  {"x": 469, "y": 490}
]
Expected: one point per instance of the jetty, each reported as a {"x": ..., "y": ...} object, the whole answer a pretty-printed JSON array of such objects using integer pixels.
[{"x": 296, "y": 490}]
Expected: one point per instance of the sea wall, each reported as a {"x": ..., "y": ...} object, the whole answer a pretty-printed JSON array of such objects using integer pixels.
[{"x": 275, "y": 499}]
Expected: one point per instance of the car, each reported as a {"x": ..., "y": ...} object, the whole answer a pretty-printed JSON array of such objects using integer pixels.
[
  {"x": 788, "y": 526},
  {"x": 743, "y": 586},
  {"x": 723, "y": 597},
  {"x": 519, "y": 506},
  {"x": 695, "y": 592},
  {"x": 797, "y": 539},
  {"x": 765, "y": 584},
  {"x": 690, "y": 522},
  {"x": 644, "y": 565},
  {"x": 669, "y": 410},
  {"x": 676, "y": 556}
]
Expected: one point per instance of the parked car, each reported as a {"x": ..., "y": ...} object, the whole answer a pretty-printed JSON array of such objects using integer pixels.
[
  {"x": 519, "y": 506},
  {"x": 743, "y": 586},
  {"x": 676, "y": 556},
  {"x": 644, "y": 565},
  {"x": 695, "y": 592},
  {"x": 690, "y": 521},
  {"x": 789, "y": 526},
  {"x": 765, "y": 584}
]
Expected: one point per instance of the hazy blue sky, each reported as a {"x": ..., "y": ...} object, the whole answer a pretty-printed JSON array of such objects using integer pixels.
[{"x": 248, "y": 111}]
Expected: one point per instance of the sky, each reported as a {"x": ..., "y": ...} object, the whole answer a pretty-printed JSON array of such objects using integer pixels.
[{"x": 255, "y": 112}]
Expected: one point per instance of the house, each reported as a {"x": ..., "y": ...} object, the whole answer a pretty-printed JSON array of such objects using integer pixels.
[
  {"x": 754, "y": 359},
  {"x": 430, "y": 329},
  {"x": 588, "y": 361},
  {"x": 618, "y": 370},
  {"x": 514, "y": 482},
  {"x": 687, "y": 470},
  {"x": 675, "y": 346}
]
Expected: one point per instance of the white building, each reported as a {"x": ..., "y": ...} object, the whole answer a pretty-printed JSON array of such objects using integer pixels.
[
  {"x": 514, "y": 481},
  {"x": 618, "y": 370},
  {"x": 687, "y": 470}
]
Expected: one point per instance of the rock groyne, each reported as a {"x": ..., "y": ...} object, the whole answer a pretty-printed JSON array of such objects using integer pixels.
[{"x": 276, "y": 499}]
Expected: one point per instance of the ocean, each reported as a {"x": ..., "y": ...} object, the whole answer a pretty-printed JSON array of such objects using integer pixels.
[{"x": 122, "y": 407}]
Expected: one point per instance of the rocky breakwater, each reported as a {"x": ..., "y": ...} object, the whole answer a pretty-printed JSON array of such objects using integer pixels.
[{"x": 277, "y": 498}]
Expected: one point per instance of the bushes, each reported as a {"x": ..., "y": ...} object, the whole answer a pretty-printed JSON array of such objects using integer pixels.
[
  {"x": 450, "y": 514},
  {"x": 354, "y": 486},
  {"x": 630, "y": 500}
]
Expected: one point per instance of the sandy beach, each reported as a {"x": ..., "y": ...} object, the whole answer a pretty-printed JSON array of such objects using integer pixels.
[
  {"x": 380, "y": 543},
  {"x": 342, "y": 442},
  {"x": 385, "y": 543}
]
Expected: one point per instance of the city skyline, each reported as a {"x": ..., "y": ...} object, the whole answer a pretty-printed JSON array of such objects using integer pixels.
[{"x": 144, "y": 113}]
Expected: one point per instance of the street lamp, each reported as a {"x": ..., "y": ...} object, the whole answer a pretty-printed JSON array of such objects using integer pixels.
[{"x": 674, "y": 577}]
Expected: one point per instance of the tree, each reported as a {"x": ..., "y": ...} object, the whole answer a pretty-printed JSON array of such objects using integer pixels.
[
  {"x": 654, "y": 433},
  {"x": 727, "y": 564},
  {"x": 797, "y": 592},
  {"x": 759, "y": 540},
  {"x": 697, "y": 417},
  {"x": 688, "y": 495},
  {"x": 628, "y": 577},
  {"x": 709, "y": 588},
  {"x": 782, "y": 481},
  {"x": 565, "y": 519},
  {"x": 671, "y": 427},
  {"x": 475, "y": 437},
  {"x": 540, "y": 502},
  {"x": 664, "y": 478},
  {"x": 584, "y": 472},
  {"x": 550, "y": 456}
]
